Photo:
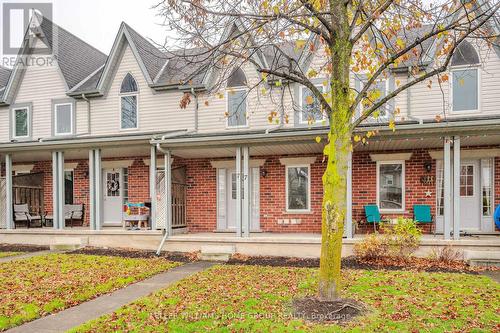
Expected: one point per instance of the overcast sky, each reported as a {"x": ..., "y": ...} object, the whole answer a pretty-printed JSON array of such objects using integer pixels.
[{"x": 97, "y": 21}]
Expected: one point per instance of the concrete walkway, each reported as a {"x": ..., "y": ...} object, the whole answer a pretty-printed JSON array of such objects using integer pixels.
[
  {"x": 77, "y": 315},
  {"x": 26, "y": 255}
]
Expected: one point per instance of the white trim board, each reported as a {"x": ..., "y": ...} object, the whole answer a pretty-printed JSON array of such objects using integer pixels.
[
  {"x": 390, "y": 157},
  {"x": 476, "y": 153},
  {"x": 25, "y": 168},
  {"x": 298, "y": 160},
  {"x": 117, "y": 164},
  {"x": 231, "y": 164}
]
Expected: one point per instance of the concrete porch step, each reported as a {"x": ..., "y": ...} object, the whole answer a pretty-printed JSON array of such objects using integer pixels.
[
  {"x": 217, "y": 252},
  {"x": 68, "y": 243},
  {"x": 482, "y": 258}
]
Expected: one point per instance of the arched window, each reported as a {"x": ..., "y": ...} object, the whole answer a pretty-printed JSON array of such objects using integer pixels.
[
  {"x": 128, "y": 103},
  {"x": 465, "y": 78},
  {"x": 237, "y": 99}
]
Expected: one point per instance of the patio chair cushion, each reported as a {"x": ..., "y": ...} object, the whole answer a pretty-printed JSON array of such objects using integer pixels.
[
  {"x": 372, "y": 214},
  {"x": 20, "y": 212},
  {"x": 422, "y": 213},
  {"x": 77, "y": 211}
]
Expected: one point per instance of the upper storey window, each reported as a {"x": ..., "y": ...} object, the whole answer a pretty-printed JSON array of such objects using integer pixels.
[
  {"x": 310, "y": 111},
  {"x": 128, "y": 103},
  {"x": 237, "y": 99},
  {"x": 465, "y": 78},
  {"x": 21, "y": 119},
  {"x": 64, "y": 119}
]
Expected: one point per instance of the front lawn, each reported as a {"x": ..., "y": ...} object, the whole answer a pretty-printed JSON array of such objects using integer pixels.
[
  {"x": 9, "y": 254},
  {"x": 257, "y": 299},
  {"x": 35, "y": 287}
]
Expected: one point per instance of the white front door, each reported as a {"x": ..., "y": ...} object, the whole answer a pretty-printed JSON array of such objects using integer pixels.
[
  {"x": 470, "y": 196},
  {"x": 113, "y": 196},
  {"x": 226, "y": 197}
]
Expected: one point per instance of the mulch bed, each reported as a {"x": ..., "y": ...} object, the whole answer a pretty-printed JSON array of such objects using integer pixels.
[
  {"x": 23, "y": 248},
  {"x": 133, "y": 253},
  {"x": 414, "y": 264},
  {"x": 339, "y": 311}
]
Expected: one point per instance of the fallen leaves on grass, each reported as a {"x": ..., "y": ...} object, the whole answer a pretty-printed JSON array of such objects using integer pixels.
[
  {"x": 45, "y": 284},
  {"x": 234, "y": 298}
]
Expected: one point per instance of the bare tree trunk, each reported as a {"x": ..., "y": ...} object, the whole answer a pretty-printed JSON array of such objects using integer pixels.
[{"x": 337, "y": 151}]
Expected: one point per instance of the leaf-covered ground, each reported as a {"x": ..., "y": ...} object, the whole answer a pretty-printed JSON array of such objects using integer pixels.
[
  {"x": 34, "y": 287},
  {"x": 257, "y": 299},
  {"x": 9, "y": 254}
]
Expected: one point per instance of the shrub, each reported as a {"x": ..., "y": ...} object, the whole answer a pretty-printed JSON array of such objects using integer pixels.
[
  {"x": 447, "y": 254},
  {"x": 395, "y": 240}
]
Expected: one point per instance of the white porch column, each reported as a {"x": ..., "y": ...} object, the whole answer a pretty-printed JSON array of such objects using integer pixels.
[
  {"x": 61, "y": 193},
  {"x": 456, "y": 187},
  {"x": 348, "y": 230},
  {"x": 246, "y": 192},
  {"x": 55, "y": 190},
  {"x": 152, "y": 187},
  {"x": 238, "y": 192},
  {"x": 9, "y": 216},
  {"x": 92, "y": 189},
  {"x": 95, "y": 188},
  {"x": 168, "y": 192},
  {"x": 447, "y": 188}
]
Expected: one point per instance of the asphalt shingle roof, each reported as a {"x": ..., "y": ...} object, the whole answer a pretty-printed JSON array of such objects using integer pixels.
[{"x": 76, "y": 58}]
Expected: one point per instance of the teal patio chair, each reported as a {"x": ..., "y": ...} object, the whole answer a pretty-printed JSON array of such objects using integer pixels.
[
  {"x": 373, "y": 215},
  {"x": 422, "y": 214}
]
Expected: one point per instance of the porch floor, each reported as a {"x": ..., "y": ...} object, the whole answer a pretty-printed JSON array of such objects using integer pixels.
[{"x": 266, "y": 244}]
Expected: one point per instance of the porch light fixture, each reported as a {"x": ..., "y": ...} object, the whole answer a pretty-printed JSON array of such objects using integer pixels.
[
  {"x": 428, "y": 166},
  {"x": 263, "y": 173}
]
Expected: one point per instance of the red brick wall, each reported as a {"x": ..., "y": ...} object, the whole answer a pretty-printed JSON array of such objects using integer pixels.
[
  {"x": 273, "y": 199},
  {"x": 364, "y": 178}
]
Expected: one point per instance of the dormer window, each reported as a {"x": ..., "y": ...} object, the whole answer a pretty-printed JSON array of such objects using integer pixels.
[
  {"x": 236, "y": 95},
  {"x": 128, "y": 103},
  {"x": 465, "y": 79}
]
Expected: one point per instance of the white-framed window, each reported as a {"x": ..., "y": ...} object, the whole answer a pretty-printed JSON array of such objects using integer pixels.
[
  {"x": 21, "y": 120},
  {"x": 380, "y": 89},
  {"x": 310, "y": 113},
  {"x": 63, "y": 119},
  {"x": 465, "y": 79},
  {"x": 129, "y": 103},
  {"x": 69, "y": 182},
  {"x": 236, "y": 96},
  {"x": 391, "y": 186},
  {"x": 298, "y": 188}
]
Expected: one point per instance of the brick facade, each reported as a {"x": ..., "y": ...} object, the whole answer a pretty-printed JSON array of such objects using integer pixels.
[{"x": 201, "y": 180}]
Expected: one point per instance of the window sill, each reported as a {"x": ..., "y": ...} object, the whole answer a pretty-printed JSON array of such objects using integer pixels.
[
  {"x": 392, "y": 211},
  {"x": 237, "y": 127},
  {"x": 298, "y": 212}
]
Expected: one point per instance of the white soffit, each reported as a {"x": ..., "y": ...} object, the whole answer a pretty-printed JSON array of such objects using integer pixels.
[
  {"x": 390, "y": 157},
  {"x": 476, "y": 153},
  {"x": 231, "y": 164},
  {"x": 298, "y": 160}
]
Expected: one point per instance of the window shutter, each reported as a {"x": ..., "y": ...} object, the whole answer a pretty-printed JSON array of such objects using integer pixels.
[
  {"x": 221, "y": 198},
  {"x": 255, "y": 197}
]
